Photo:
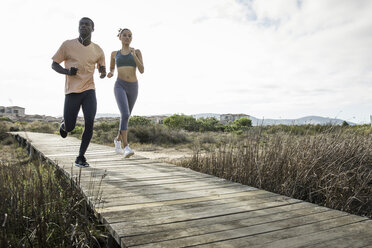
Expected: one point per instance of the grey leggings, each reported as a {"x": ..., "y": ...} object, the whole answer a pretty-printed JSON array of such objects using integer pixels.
[{"x": 126, "y": 95}]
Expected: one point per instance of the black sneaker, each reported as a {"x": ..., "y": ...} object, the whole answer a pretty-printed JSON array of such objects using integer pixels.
[
  {"x": 81, "y": 162},
  {"x": 62, "y": 130}
]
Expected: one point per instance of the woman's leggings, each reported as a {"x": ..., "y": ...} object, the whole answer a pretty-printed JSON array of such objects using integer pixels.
[
  {"x": 87, "y": 100},
  {"x": 126, "y": 95}
]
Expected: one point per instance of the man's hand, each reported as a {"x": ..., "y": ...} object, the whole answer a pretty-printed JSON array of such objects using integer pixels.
[
  {"x": 102, "y": 71},
  {"x": 110, "y": 74},
  {"x": 72, "y": 71}
]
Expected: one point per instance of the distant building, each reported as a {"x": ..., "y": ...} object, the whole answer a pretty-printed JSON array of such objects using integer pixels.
[
  {"x": 12, "y": 111},
  {"x": 227, "y": 118},
  {"x": 157, "y": 119}
]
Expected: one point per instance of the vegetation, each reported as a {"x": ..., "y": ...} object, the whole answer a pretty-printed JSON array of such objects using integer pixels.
[
  {"x": 189, "y": 123},
  {"x": 40, "y": 207},
  {"x": 324, "y": 164},
  {"x": 331, "y": 168}
]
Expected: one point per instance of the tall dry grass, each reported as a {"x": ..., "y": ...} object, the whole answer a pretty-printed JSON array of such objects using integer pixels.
[
  {"x": 333, "y": 168},
  {"x": 40, "y": 207}
]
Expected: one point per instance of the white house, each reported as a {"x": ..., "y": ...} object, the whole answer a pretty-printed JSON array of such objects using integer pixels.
[
  {"x": 227, "y": 118},
  {"x": 12, "y": 111},
  {"x": 157, "y": 119}
]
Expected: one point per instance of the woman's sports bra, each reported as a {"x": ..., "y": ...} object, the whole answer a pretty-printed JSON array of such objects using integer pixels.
[{"x": 124, "y": 60}]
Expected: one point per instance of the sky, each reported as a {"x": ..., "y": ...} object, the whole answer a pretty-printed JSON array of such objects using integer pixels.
[{"x": 280, "y": 59}]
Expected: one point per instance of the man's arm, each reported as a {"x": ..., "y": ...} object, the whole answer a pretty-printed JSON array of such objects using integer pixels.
[{"x": 58, "y": 68}]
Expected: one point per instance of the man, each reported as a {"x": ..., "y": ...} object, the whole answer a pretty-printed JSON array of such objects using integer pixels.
[{"x": 80, "y": 56}]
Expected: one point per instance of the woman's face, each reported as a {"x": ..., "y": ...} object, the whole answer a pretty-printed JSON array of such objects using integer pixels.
[{"x": 126, "y": 37}]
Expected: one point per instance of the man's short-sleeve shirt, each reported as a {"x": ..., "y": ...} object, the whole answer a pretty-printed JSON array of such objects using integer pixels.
[{"x": 75, "y": 54}]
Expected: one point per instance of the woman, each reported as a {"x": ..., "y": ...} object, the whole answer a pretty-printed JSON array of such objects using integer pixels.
[{"x": 126, "y": 86}]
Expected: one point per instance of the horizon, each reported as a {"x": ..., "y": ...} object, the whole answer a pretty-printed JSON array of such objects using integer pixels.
[
  {"x": 262, "y": 57},
  {"x": 117, "y": 115}
]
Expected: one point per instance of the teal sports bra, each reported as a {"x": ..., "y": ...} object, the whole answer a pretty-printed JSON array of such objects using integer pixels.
[{"x": 124, "y": 60}]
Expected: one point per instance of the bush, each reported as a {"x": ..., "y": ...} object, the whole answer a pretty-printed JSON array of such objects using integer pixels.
[
  {"x": 243, "y": 122},
  {"x": 156, "y": 134},
  {"x": 210, "y": 124},
  {"x": 139, "y": 121},
  {"x": 4, "y": 118},
  {"x": 185, "y": 122},
  {"x": 78, "y": 130}
]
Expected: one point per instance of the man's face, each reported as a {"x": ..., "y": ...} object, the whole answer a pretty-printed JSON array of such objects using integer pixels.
[{"x": 85, "y": 27}]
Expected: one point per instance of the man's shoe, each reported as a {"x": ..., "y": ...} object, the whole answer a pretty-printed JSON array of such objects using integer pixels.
[
  {"x": 118, "y": 148},
  {"x": 62, "y": 130},
  {"x": 128, "y": 152},
  {"x": 81, "y": 162}
]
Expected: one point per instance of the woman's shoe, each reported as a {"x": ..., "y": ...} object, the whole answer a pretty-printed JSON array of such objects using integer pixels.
[
  {"x": 118, "y": 148},
  {"x": 128, "y": 152}
]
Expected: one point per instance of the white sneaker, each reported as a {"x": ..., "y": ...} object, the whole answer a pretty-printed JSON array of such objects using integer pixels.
[
  {"x": 118, "y": 148},
  {"x": 128, "y": 152}
]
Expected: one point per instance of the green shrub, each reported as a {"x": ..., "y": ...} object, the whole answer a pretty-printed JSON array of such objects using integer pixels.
[
  {"x": 185, "y": 122},
  {"x": 210, "y": 124},
  {"x": 139, "y": 121},
  {"x": 156, "y": 134},
  {"x": 4, "y": 118},
  {"x": 78, "y": 130}
]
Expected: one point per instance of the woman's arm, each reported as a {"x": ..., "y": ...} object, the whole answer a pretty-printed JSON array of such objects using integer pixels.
[
  {"x": 137, "y": 55},
  {"x": 112, "y": 65}
]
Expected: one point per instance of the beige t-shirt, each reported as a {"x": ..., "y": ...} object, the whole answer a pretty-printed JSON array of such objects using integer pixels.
[{"x": 75, "y": 54}]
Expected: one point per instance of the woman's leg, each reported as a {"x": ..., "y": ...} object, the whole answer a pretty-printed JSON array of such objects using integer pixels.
[
  {"x": 124, "y": 137},
  {"x": 118, "y": 137},
  {"x": 122, "y": 101},
  {"x": 132, "y": 92}
]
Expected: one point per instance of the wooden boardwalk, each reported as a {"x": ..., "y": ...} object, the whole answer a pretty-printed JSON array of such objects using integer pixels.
[{"x": 146, "y": 203}]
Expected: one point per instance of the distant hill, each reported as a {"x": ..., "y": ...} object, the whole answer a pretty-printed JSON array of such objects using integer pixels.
[
  {"x": 206, "y": 115},
  {"x": 256, "y": 121},
  {"x": 314, "y": 120},
  {"x": 300, "y": 121},
  {"x": 106, "y": 115}
]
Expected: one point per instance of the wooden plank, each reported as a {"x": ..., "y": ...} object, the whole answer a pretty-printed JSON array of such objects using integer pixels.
[
  {"x": 287, "y": 235},
  {"x": 244, "y": 231},
  {"x": 361, "y": 227},
  {"x": 347, "y": 241},
  {"x": 218, "y": 227},
  {"x": 138, "y": 229},
  {"x": 205, "y": 211},
  {"x": 170, "y": 202},
  {"x": 187, "y": 207},
  {"x": 174, "y": 196}
]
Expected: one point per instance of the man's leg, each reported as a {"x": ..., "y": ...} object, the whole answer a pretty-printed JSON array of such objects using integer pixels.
[
  {"x": 89, "y": 106},
  {"x": 71, "y": 110}
]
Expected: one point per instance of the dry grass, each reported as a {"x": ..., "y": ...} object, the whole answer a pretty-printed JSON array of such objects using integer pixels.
[
  {"x": 40, "y": 208},
  {"x": 333, "y": 168},
  {"x": 327, "y": 165}
]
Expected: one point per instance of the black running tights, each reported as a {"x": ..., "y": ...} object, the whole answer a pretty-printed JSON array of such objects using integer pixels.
[{"x": 87, "y": 100}]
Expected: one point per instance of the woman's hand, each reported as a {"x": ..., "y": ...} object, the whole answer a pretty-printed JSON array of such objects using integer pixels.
[
  {"x": 133, "y": 52},
  {"x": 110, "y": 74}
]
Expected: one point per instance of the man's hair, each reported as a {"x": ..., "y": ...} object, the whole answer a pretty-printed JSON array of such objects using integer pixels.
[{"x": 87, "y": 18}]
